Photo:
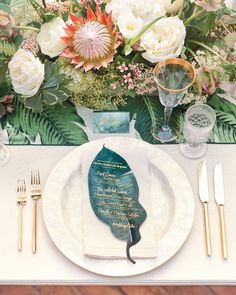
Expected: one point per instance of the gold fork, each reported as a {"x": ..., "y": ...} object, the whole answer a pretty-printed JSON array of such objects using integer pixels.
[
  {"x": 21, "y": 201},
  {"x": 36, "y": 194}
]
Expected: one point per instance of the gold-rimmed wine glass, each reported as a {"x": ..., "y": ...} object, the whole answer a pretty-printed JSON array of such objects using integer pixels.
[{"x": 173, "y": 77}]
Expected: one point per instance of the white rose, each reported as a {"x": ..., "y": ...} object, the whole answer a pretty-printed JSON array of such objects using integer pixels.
[
  {"x": 164, "y": 39},
  {"x": 129, "y": 25},
  {"x": 173, "y": 7},
  {"x": 230, "y": 4},
  {"x": 49, "y": 37},
  {"x": 148, "y": 10},
  {"x": 26, "y": 72},
  {"x": 118, "y": 7}
]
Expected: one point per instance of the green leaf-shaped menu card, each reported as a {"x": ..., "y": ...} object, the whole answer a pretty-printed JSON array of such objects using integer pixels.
[
  {"x": 118, "y": 200},
  {"x": 114, "y": 197}
]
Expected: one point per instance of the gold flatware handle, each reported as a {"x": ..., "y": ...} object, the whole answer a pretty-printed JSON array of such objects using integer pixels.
[
  {"x": 223, "y": 232},
  {"x": 35, "y": 221},
  {"x": 207, "y": 229},
  {"x": 20, "y": 227}
]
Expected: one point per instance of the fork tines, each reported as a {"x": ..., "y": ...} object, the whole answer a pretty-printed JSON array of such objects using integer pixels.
[
  {"x": 35, "y": 179},
  {"x": 21, "y": 192},
  {"x": 21, "y": 201}
]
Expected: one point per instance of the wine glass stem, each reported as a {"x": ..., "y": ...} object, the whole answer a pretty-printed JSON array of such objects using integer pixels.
[{"x": 167, "y": 114}]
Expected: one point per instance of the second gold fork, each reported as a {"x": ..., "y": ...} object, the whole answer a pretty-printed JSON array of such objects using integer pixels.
[{"x": 36, "y": 195}]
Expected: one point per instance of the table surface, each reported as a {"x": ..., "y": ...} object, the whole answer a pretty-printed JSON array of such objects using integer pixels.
[{"x": 189, "y": 266}]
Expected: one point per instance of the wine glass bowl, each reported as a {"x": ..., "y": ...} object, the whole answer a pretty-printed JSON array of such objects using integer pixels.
[{"x": 173, "y": 77}]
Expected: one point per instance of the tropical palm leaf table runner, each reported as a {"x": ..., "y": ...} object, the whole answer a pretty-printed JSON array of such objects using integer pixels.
[{"x": 64, "y": 124}]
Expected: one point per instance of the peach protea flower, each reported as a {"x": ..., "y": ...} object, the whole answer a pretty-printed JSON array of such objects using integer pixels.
[{"x": 91, "y": 42}]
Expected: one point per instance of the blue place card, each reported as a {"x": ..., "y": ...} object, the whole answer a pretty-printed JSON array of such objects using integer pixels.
[{"x": 111, "y": 122}]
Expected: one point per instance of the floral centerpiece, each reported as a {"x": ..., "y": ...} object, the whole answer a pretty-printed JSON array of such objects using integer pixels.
[{"x": 56, "y": 56}]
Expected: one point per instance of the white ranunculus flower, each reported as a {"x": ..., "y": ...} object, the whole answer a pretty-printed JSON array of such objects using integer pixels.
[
  {"x": 26, "y": 72},
  {"x": 49, "y": 37},
  {"x": 148, "y": 10},
  {"x": 129, "y": 25},
  {"x": 164, "y": 39},
  {"x": 173, "y": 7},
  {"x": 231, "y": 4}
]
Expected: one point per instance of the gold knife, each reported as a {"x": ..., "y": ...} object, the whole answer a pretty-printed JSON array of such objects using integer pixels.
[
  {"x": 220, "y": 200},
  {"x": 204, "y": 197}
]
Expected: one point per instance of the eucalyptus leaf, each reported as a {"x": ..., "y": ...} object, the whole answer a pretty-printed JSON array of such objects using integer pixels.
[
  {"x": 34, "y": 103},
  {"x": 114, "y": 193},
  {"x": 51, "y": 82},
  {"x": 49, "y": 98},
  {"x": 61, "y": 95}
]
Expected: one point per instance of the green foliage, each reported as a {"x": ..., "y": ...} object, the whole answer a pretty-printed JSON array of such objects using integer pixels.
[
  {"x": 93, "y": 89},
  {"x": 53, "y": 91},
  {"x": 3, "y": 68},
  {"x": 5, "y": 86},
  {"x": 16, "y": 136},
  {"x": 230, "y": 70},
  {"x": 221, "y": 104},
  {"x": 60, "y": 126},
  {"x": 206, "y": 24},
  {"x": 225, "y": 127},
  {"x": 48, "y": 16},
  {"x": 6, "y": 48},
  {"x": 187, "y": 10}
]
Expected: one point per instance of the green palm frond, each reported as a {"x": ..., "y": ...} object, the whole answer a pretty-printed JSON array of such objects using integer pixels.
[
  {"x": 225, "y": 127},
  {"x": 58, "y": 126}
]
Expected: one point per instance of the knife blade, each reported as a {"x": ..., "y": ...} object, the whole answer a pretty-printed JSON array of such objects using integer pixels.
[
  {"x": 204, "y": 197},
  {"x": 219, "y": 185},
  {"x": 203, "y": 182},
  {"x": 220, "y": 200}
]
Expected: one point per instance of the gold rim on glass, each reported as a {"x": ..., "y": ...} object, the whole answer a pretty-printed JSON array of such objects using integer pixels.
[{"x": 175, "y": 61}]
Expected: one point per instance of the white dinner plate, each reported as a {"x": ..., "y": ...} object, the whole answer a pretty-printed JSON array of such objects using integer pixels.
[{"x": 172, "y": 209}]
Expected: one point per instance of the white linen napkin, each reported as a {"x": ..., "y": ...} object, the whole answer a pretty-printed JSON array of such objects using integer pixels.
[{"x": 98, "y": 241}]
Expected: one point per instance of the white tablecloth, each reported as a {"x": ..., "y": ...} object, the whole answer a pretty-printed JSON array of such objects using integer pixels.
[{"x": 189, "y": 266}]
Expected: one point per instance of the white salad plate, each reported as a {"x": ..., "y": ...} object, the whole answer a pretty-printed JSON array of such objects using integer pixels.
[{"x": 172, "y": 209}]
